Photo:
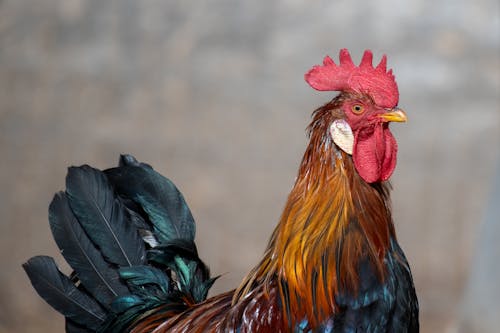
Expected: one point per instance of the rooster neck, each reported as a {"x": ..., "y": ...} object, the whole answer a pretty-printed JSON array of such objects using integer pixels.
[{"x": 332, "y": 220}]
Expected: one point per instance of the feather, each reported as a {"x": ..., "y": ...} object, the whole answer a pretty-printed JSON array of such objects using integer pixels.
[
  {"x": 58, "y": 290},
  {"x": 149, "y": 238},
  {"x": 104, "y": 217},
  {"x": 286, "y": 300},
  {"x": 72, "y": 327},
  {"x": 125, "y": 303},
  {"x": 138, "y": 221},
  {"x": 145, "y": 277},
  {"x": 158, "y": 197},
  {"x": 192, "y": 276},
  {"x": 129, "y": 160},
  {"x": 98, "y": 276},
  {"x": 166, "y": 252}
]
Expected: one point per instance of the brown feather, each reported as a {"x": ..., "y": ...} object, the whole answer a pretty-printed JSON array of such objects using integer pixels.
[{"x": 257, "y": 312}]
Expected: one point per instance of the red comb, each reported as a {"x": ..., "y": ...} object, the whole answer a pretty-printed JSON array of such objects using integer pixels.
[{"x": 377, "y": 82}]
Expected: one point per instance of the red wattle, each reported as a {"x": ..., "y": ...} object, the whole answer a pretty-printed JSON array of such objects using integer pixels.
[{"x": 374, "y": 153}]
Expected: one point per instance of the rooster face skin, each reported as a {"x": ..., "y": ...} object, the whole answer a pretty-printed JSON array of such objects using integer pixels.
[{"x": 363, "y": 132}]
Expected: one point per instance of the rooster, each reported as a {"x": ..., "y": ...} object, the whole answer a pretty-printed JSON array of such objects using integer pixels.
[{"x": 333, "y": 263}]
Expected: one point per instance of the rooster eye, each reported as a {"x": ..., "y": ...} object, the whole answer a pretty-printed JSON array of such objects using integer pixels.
[{"x": 357, "y": 109}]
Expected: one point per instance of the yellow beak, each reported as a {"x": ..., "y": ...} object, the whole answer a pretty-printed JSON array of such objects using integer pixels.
[{"x": 396, "y": 115}]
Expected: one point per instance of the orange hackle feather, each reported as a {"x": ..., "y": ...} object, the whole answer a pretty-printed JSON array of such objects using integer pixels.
[{"x": 331, "y": 220}]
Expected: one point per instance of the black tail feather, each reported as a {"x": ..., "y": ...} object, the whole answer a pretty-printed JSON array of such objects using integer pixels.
[
  {"x": 72, "y": 327},
  {"x": 98, "y": 276},
  {"x": 159, "y": 198},
  {"x": 58, "y": 290},
  {"x": 128, "y": 234},
  {"x": 192, "y": 275},
  {"x": 103, "y": 216}
]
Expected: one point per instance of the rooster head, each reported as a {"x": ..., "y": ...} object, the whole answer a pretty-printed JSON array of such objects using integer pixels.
[{"x": 369, "y": 98}]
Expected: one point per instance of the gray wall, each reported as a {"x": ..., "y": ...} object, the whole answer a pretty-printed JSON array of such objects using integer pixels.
[{"x": 212, "y": 94}]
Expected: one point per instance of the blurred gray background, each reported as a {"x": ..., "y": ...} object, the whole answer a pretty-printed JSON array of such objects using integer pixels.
[{"x": 211, "y": 93}]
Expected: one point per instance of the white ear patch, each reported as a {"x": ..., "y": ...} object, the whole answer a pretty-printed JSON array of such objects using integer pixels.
[{"x": 342, "y": 135}]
